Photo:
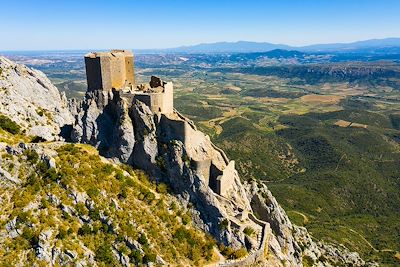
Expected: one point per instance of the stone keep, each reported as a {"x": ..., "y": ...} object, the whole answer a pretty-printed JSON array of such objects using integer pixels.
[
  {"x": 109, "y": 70},
  {"x": 114, "y": 70}
]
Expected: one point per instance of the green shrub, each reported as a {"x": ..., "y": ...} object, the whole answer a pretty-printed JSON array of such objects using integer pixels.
[
  {"x": 149, "y": 257},
  {"x": 149, "y": 196},
  {"x": 81, "y": 209},
  {"x": 40, "y": 112},
  {"x": 30, "y": 236},
  {"x": 162, "y": 188},
  {"x": 85, "y": 230},
  {"x": 186, "y": 219},
  {"x": 62, "y": 233},
  {"x": 92, "y": 192},
  {"x": 120, "y": 176},
  {"x": 31, "y": 155},
  {"x": 94, "y": 214},
  {"x": 307, "y": 261},
  {"x": 123, "y": 193},
  {"x": 37, "y": 139},
  {"x": 23, "y": 217},
  {"x": 143, "y": 240},
  {"x": 226, "y": 251},
  {"x": 9, "y": 125},
  {"x": 107, "y": 169},
  {"x": 248, "y": 231},
  {"x": 223, "y": 224},
  {"x": 135, "y": 256},
  {"x": 104, "y": 254},
  {"x": 51, "y": 174},
  {"x": 240, "y": 253}
]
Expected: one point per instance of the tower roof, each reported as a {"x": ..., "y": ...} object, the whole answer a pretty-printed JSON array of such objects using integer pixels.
[{"x": 114, "y": 52}]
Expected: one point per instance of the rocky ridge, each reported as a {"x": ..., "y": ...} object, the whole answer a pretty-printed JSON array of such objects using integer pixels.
[
  {"x": 31, "y": 100},
  {"x": 130, "y": 133},
  {"x": 137, "y": 137}
]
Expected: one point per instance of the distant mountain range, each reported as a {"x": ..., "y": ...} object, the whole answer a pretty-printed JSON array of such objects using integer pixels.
[{"x": 245, "y": 47}]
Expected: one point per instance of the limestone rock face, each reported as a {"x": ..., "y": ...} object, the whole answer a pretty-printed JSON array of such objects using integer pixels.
[
  {"x": 172, "y": 150},
  {"x": 132, "y": 134},
  {"x": 31, "y": 100},
  {"x": 290, "y": 243},
  {"x": 146, "y": 137}
]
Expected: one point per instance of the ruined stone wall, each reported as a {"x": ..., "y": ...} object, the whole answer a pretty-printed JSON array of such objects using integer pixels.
[
  {"x": 255, "y": 256},
  {"x": 158, "y": 102},
  {"x": 226, "y": 180},
  {"x": 145, "y": 98},
  {"x": 202, "y": 167},
  {"x": 153, "y": 100},
  {"x": 168, "y": 98}
]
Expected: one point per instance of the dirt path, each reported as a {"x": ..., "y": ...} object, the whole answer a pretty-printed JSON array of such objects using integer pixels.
[
  {"x": 362, "y": 237},
  {"x": 305, "y": 217}
]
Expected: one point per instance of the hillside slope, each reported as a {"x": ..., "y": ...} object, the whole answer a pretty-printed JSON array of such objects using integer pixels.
[
  {"x": 67, "y": 205},
  {"x": 62, "y": 203}
]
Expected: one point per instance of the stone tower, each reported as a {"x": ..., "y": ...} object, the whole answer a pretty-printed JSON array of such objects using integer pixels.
[{"x": 110, "y": 70}]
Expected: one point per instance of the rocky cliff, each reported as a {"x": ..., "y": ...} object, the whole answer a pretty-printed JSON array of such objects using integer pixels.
[
  {"x": 165, "y": 146},
  {"x": 31, "y": 100},
  {"x": 170, "y": 149}
]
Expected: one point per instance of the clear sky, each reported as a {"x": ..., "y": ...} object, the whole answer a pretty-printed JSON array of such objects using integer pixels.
[{"x": 89, "y": 24}]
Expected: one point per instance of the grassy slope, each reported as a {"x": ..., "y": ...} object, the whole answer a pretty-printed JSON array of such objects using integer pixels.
[{"x": 137, "y": 208}]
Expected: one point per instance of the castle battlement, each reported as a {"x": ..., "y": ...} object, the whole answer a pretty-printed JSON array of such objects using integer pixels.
[
  {"x": 109, "y": 70},
  {"x": 114, "y": 70},
  {"x": 157, "y": 95}
]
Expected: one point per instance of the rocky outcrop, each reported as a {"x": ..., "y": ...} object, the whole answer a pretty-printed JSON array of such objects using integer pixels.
[
  {"x": 290, "y": 244},
  {"x": 132, "y": 134},
  {"x": 32, "y": 101},
  {"x": 172, "y": 150}
]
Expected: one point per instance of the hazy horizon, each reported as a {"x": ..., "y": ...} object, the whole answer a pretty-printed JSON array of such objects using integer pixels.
[
  {"x": 181, "y": 46},
  {"x": 83, "y": 25}
]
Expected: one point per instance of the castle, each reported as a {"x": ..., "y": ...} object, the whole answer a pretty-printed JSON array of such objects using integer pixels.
[{"x": 114, "y": 70}]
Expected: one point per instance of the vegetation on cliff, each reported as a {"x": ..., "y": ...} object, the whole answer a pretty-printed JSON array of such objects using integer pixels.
[{"x": 87, "y": 208}]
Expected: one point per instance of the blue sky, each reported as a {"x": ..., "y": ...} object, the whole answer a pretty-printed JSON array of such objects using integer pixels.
[{"x": 89, "y": 24}]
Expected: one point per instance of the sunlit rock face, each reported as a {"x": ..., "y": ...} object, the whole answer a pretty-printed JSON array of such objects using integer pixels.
[{"x": 31, "y": 100}]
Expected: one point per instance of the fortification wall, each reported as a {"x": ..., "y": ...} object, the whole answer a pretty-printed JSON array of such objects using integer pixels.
[
  {"x": 162, "y": 102},
  {"x": 202, "y": 167},
  {"x": 257, "y": 255},
  {"x": 153, "y": 100},
  {"x": 93, "y": 73},
  {"x": 107, "y": 70},
  {"x": 168, "y": 98},
  {"x": 117, "y": 70},
  {"x": 129, "y": 69},
  {"x": 225, "y": 181},
  {"x": 105, "y": 64}
]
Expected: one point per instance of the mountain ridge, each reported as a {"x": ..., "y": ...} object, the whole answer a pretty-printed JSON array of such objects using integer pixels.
[{"x": 249, "y": 46}]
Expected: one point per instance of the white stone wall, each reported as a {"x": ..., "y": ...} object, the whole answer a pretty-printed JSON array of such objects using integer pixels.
[
  {"x": 168, "y": 98},
  {"x": 226, "y": 180}
]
